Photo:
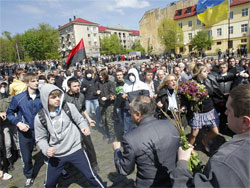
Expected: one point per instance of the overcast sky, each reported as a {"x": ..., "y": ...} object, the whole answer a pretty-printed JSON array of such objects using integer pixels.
[{"x": 18, "y": 16}]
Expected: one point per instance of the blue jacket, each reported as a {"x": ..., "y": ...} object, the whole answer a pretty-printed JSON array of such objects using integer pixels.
[{"x": 25, "y": 107}]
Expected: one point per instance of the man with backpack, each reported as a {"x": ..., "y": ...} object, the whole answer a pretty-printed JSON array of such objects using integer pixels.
[{"x": 58, "y": 136}]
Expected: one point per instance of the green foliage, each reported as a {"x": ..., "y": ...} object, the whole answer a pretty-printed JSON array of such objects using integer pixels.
[
  {"x": 41, "y": 43},
  {"x": 136, "y": 46},
  {"x": 111, "y": 45},
  {"x": 171, "y": 35},
  {"x": 8, "y": 47},
  {"x": 201, "y": 41}
]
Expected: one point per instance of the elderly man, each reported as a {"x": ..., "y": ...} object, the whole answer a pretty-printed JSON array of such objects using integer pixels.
[
  {"x": 154, "y": 152},
  {"x": 230, "y": 165}
]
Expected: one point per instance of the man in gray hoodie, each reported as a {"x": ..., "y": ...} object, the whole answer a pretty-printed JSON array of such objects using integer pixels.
[{"x": 60, "y": 140}]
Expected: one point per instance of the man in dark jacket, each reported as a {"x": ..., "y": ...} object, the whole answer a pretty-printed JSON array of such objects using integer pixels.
[
  {"x": 89, "y": 89},
  {"x": 106, "y": 92},
  {"x": 229, "y": 166},
  {"x": 26, "y": 105},
  {"x": 152, "y": 146},
  {"x": 77, "y": 98}
]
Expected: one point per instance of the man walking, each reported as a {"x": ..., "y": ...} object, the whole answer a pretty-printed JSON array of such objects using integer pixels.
[
  {"x": 59, "y": 137},
  {"x": 26, "y": 105},
  {"x": 152, "y": 146}
]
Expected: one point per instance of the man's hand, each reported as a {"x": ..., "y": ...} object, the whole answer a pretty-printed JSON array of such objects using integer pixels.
[
  {"x": 23, "y": 127},
  {"x": 104, "y": 98},
  {"x": 85, "y": 131},
  {"x": 91, "y": 122},
  {"x": 159, "y": 104},
  {"x": 154, "y": 96},
  {"x": 112, "y": 97},
  {"x": 125, "y": 96},
  {"x": 51, "y": 151},
  {"x": 98, "y": 92},
  {"x": 116, "y": 145},
  {"x": 185, "y": 154},
  {"x": 3, "y": 115}
]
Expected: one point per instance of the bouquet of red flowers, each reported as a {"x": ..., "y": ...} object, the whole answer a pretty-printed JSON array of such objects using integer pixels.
[{"x": 194, "y": 92}]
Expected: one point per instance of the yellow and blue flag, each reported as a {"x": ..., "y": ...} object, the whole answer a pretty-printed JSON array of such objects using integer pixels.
[{"x": 211, "y": 12}]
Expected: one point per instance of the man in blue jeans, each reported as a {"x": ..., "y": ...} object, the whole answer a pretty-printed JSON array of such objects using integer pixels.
[
  {"x": 60, "y": 138},
  {"x": 26, "y": 105},
  {"x": 89, "y": 89}
]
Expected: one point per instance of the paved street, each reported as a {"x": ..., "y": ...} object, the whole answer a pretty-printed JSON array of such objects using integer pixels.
[{"x": 105, "y": 160}]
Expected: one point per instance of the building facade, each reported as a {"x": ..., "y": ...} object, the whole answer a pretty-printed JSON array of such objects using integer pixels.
[
  {"x": 78, "y": 28},
  {"x": 72, "y": 32},
  {"x": 235, "y": 30},
  {"x": 126, "y": 36}
]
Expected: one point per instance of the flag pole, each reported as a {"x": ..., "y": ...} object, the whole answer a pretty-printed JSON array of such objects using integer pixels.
[
  {"x": 228, "y": 39},
  {"x": 18, "y": 53}
]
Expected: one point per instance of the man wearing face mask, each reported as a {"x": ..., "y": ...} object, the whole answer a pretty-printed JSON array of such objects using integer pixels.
[
  {"x": 132, "y": 88},
  {"x": 89, "y": 89},
  {"x": 9, "y": 131},
  {"x": 18, "y": 86}
]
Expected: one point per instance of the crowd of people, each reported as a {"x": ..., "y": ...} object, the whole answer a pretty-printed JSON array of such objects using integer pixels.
[{"x": 55, "y": 108}]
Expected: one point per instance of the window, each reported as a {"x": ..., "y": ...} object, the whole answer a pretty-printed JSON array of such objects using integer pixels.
[
  {"x": 209, "y": 48},
  {"x": 89, "y": 43},
  {"x": 219, "y": 32},
  {"x": 209, "y": 32},
  {"x": 179, "y": 12},
  {"x": 244, "y": 28},
  {"x": 190, "y": 48},
  {"x": 181, "y": 49},
  {"x": 231, "y": 15},
  {"x": 189, "y": 23},
  {"x": 218, "y": 43},
  {"x": 190, "y": 36},
  {"x": 231, "y": 30},
  {"x": 88, "y": 35},
  {"x": 95, "y": 43},
  {"x": 243, "y": 40},
  {"x": 189, "y": 9},
  {"x": 198, "y": 22},
  {"x": 180, "y": 25},
  {"x": 245, "y": 12},
  {"x": 88, "y": 28},
  {"x": 94, "y": 34},
  {"x": 230, "y": 44}
]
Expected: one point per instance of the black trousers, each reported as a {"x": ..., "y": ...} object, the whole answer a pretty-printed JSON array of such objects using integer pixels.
[
  {"x": 89, "y": 148},
  {"x": 3, "y": 159}
]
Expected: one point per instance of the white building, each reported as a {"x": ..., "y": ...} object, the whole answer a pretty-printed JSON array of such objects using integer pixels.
[{"x": 72, "y": 32}]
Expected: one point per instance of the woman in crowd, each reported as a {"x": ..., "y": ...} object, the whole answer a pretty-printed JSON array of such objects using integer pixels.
[
  {"x": 168, "y": 97},
  {"x": 207, "y": 115}
]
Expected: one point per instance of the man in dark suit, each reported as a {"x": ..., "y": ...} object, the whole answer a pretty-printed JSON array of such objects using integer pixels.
[{"x": 152, "y": 146}]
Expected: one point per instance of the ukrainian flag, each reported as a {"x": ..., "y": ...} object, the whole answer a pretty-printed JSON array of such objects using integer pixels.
[{"x": 211, "y": 12}]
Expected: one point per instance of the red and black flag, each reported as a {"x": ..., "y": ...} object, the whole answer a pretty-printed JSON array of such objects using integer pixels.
[{"x": 77, "y": 54}]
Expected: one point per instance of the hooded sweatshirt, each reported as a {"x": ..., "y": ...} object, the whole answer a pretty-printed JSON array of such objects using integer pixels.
[
  {"x": 134, "y": 89},
  {"x": 61, "y": 132}
]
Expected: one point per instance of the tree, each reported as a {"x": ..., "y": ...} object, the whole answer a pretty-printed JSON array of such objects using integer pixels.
[
  {"x": 41, "y": 43},
  {"x": 136, "y": 46},
  {"x": 171, "y": 35},
  {"x": 111, "y": 45},
  {"x": 201, "y": 41}
]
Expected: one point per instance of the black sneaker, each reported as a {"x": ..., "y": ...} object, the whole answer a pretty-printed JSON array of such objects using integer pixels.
[{"x": 29, "y": 182}]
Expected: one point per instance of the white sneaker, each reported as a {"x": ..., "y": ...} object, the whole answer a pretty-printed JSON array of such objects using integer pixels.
[
  {"x": 6, "y": 176},
  {"x": 29, "y": 182}
]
